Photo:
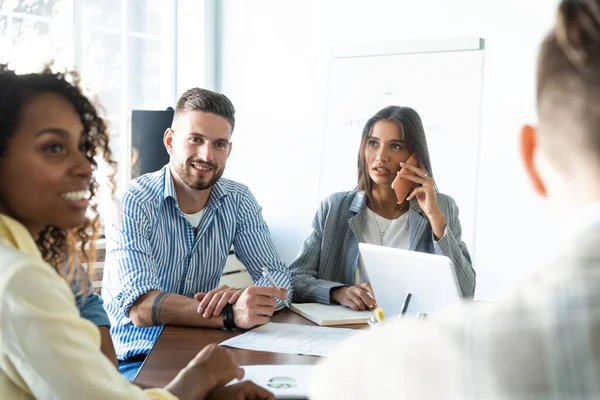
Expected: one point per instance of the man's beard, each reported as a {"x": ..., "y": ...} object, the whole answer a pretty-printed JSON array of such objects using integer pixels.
[{"x": 196, "y": 184}]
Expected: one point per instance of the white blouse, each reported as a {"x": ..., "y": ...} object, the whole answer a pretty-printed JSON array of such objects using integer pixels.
[{"x": 383, "y": 232}]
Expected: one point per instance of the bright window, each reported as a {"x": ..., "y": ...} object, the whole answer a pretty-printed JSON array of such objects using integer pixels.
[{"x": 125, "y": 51}]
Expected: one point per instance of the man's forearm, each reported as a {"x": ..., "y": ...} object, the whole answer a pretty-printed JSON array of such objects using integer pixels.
[{"x": 161, "y": 308}]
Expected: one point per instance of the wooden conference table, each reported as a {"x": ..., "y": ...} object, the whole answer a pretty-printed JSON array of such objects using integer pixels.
[{"x": 176, "y": 346}]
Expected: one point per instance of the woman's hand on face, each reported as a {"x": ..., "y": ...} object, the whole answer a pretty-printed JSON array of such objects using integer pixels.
[{"x": 425, "y": 195}]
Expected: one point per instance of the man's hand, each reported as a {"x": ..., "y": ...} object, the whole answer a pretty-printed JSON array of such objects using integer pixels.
[
  {"x": 241, "y": 391},
  {"x": 213, "y": 302},
  {"x": 214, "y": 366},
  {"x": 256, "y": 305},
  {"x": 357, "y": 297}
]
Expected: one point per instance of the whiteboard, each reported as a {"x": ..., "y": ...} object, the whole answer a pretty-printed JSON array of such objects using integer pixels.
[{"x": 441, "y": 80}]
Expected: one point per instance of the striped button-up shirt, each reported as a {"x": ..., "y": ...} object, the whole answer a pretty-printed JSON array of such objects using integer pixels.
[{"x": 152, "y": 246}]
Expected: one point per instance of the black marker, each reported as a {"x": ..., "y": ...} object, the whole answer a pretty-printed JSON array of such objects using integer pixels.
[{"x": 405, "y": 304}]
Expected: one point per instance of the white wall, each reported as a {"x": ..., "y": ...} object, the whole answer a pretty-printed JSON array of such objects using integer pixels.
[
  {"x": 191, "y": 45},
  {"x": 275, "y": 69}
]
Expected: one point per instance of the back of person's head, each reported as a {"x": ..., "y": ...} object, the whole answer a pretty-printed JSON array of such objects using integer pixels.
[
  {"x": 568, "y": 86},
  {"x": 410, "y": 124},
  {"x": 16, "y": 91},
  {"x": 197, "y": 99}
]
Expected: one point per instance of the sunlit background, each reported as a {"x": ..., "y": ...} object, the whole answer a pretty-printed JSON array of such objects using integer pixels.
[
  {"x": 124, "y": 51},
  {"x": 273, "y": 59}
]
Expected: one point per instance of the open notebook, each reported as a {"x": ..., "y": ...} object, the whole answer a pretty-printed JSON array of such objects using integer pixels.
[{"x": 330, "y": 315}]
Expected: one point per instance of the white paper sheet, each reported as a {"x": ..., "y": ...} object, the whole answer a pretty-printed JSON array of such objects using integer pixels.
[
  {"x": 284, "y": 381},
  {"x": 291, "y": 339}
]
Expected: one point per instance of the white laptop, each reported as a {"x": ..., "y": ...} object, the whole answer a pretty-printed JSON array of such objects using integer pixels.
[{"x": 393, "y": 272}]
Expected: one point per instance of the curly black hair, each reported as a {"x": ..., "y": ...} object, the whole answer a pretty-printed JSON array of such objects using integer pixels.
[{"x": 56, "y": 244}]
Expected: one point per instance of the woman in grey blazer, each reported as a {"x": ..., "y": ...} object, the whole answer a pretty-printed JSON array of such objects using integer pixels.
[{"x": 328, "y": 268}]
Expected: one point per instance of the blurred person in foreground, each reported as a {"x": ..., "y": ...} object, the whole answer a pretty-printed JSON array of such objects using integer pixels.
[{"x": 544, "y": 341}]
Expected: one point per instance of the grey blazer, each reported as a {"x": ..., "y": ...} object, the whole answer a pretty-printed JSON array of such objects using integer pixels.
[{"x": 329, "y": 256}]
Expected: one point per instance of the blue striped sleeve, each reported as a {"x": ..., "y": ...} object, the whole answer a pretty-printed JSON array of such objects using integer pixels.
[
  {"x": 133, "y": 270},
  {"x": 254, "y": 247}
]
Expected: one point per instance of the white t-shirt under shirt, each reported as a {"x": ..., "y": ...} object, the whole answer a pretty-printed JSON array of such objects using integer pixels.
[
  {"x": 395, "y": 235},
  {"x": 195, "y": 218}
]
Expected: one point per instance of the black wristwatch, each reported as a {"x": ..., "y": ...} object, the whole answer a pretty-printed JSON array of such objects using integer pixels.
[{"x": 228, "y": 320}]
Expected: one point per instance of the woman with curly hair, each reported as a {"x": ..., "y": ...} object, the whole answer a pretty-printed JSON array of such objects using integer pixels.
[{"x": 50, "y": 134}]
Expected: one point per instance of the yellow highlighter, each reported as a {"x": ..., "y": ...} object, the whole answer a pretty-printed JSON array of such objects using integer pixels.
[{"x": 379, "y": 316}]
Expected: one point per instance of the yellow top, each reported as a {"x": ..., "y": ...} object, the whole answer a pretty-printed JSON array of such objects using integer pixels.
[{"x": 46, "y": 349}]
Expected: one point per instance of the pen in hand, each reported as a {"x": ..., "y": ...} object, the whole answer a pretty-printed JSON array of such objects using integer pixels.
[{"x": 266, "y": 274}]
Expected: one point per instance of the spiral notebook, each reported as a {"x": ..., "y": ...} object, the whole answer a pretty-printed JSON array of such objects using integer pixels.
[{"x": 330, "y": 315}]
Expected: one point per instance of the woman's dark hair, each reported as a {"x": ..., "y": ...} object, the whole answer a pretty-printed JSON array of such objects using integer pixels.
[
  {"x": 409, "y": 122},
  {"x": 57, "y": 245}
]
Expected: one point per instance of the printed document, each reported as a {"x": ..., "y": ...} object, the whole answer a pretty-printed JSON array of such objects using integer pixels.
[{"x": 291, "y": 339}]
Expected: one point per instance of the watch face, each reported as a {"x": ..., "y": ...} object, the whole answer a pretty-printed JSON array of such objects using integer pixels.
[{"x": 282, "y": 382}]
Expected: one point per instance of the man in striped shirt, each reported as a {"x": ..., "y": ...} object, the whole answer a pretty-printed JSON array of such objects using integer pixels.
[{"x": 169, "y": 239}]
